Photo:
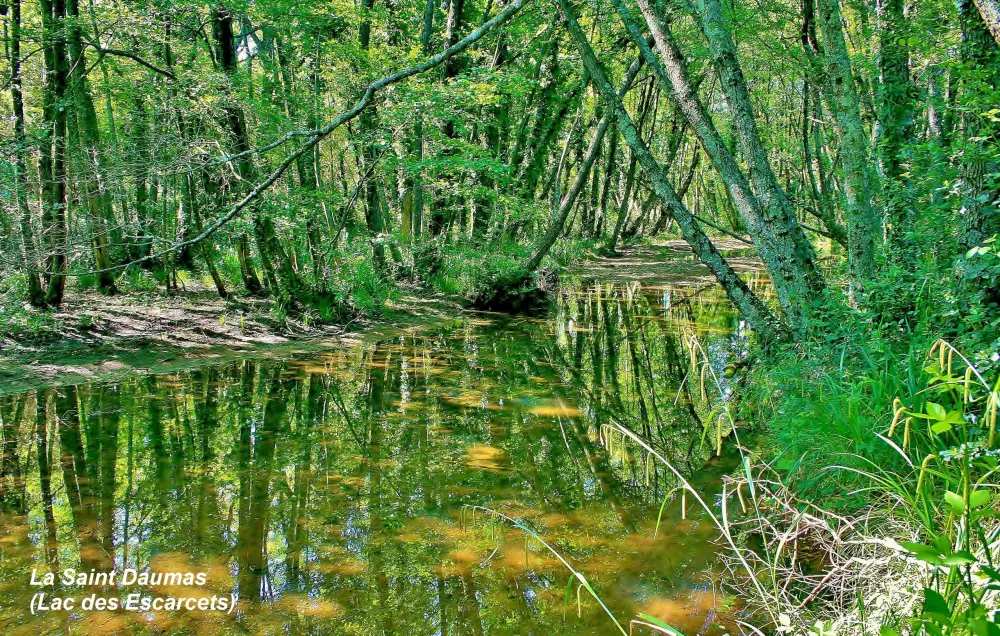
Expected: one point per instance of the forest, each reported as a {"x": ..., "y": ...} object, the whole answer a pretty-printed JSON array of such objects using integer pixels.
[{"x": 730, "y": 263}]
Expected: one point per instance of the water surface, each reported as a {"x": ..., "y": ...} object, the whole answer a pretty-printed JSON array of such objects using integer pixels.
[{"x": 331, "y": 493}]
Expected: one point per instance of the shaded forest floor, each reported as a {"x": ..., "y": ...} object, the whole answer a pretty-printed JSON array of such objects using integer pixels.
[{"x": 107, "y": 338}]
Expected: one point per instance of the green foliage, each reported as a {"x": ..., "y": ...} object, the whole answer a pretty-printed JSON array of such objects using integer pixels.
[
  {"x": 19, "y": 321},
  {"x": 954, "y": 497},
  {"x": 136, "y": 279},
  {"x": 357, "y": 288},
  {"x": 472, "y": 271}
]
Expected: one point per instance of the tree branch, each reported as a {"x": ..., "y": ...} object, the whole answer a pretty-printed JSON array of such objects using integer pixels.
[{"x": 132, "y": 56}]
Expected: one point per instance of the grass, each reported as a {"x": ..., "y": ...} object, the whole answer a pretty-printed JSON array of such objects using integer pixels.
[{"x": 875, "y": 510}]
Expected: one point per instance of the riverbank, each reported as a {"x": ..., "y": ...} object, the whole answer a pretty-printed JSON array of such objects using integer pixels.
[
  {"x": 873, "y": 505},
  {"x": 94, "y": 337}
]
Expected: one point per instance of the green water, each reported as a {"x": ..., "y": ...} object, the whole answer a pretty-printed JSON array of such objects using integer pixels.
[{"x": 330, "y": 492}]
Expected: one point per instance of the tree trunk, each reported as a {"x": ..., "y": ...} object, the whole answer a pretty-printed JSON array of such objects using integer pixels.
[
  {"x": 88, "y": 135},
  {"x": 496, "y": 129},
  {"x": 441, "y": 214},
  {"x": 206, "y": 246},
  {"x": 990, "y": 12},
  {"x": 366, "y": 166},
  {"x": 895, "y": 126},
  {"x": 222, "y": 30},
  {"x": 141, "y": 244},
  {"x": 624, "y": 204},
  {"x": 980, "y": 198},
  {"x": 52, "y": 162},
  {"x": 413, "y": 185},
  {"x": 29, "y": 248},
  {"x": 842, "y": 99},
  {"x": 609, "y": 173}
]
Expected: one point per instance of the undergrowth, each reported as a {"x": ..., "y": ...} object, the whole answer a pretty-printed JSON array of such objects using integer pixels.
[{"x": 19, "y": 322}]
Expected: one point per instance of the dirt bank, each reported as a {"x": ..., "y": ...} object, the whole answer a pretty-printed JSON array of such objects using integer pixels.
[{"x": 109, "y": 338}]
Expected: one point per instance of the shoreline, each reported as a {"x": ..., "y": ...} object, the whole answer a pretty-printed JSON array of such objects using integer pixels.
[{"x": 109, "y": 339}]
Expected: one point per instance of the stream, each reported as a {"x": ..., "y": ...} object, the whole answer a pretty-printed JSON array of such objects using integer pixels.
[{"x": 342, "y": 492}]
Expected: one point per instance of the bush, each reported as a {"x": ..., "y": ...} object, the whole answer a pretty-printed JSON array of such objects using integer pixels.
[
  {"x": 920, "y": 556},
  {"x": 471, "y": 271},
  {"x": 136, "y": 279}
]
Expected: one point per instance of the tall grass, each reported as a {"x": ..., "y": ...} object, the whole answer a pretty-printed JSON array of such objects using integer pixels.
[
  {"x": 886, "y": 522},
  {"x": 910, "y": 543}
]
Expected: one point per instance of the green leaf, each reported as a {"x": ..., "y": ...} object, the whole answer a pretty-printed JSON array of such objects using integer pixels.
[
  {"x": 655, "y": 621},
  {"x": 960, "y": 557},
  {"x": 924, "y": 553},
  {"x": 934, "y": 603},
  {"x": 941, "y": 428},
  {"x": 887, "y": 631},
  {"x": 943, "y": 544},
  {"x": 936, "y": 411},
  {"x": 979, "y": 498},
  {"x": 955, "y": 502},
  {"x": 954, "y": 417}
]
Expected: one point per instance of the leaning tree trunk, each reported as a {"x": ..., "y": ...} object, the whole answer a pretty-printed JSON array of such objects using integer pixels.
[
  {"x": 778, "y": 211},
  {"x": 990, "y": 12},
  {"x": 773, "y": 239},
  {"x": 556, "y": 224},
  {"x": 751, "y": 308}
]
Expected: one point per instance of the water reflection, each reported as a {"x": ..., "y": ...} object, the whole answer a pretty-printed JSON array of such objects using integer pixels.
[{"x": 328, "y": 491}]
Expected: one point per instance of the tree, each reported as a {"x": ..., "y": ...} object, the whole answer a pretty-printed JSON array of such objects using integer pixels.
[{"x": 842, "y": 99}]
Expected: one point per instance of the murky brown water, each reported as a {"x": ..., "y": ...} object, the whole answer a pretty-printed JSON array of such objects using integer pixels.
[{"x": 331, "y": 493}]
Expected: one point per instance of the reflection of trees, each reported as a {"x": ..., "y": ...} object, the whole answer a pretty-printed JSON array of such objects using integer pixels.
[
  {"x": 81, "y": 477},
  {"x": 634, "y": 369},
  {"x": 11, "y": 482},
  {"x": 45, "y": 482},
  {"x": 302, "y": 475},
  {"x": 258, "y": 465},
  {"x": 207, "y": 409}
]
